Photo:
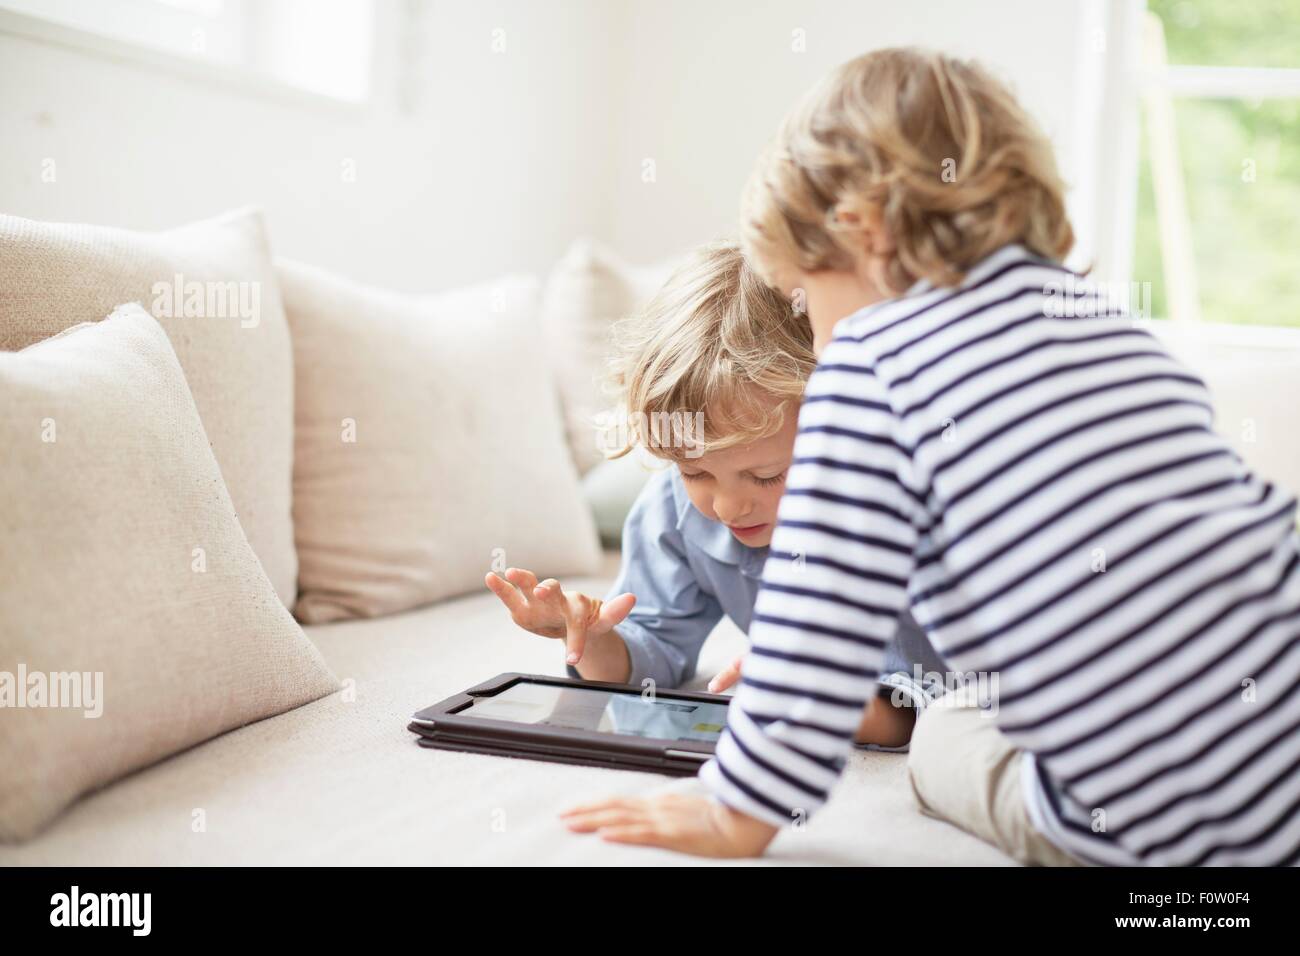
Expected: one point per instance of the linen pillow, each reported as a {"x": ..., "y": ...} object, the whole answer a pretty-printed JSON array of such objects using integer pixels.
[
  {"x": 428, "y": 446},
  {"x": 1253, "y": 374},
  {"x": 226, "y": 325},
  {"x": 589, "y": 289},
  {"x": 127, "y": 586},
  {"x": 612, "y": 488}
]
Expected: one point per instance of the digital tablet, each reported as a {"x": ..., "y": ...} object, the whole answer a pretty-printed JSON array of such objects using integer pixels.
[{"x": 591, "y": 723}]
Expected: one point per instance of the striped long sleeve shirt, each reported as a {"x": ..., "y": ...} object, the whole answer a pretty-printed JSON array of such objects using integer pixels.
[{"x": 1043, "y": 488}]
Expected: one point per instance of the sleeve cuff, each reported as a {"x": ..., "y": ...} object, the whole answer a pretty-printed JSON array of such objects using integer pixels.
[
  {"x": 721, "y": 790},
  {"x": 643, "y": 663}
]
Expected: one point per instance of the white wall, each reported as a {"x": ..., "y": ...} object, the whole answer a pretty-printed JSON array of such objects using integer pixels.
[
  {"x": 504, "y": 157},
  {"x": 709, "y": 83},
  {"x": 489, "y": 173}
]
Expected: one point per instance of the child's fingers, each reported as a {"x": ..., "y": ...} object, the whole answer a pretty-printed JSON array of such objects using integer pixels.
[
  {"x": 722, "y": 681},
  {"x": 613, "y": 613},
  {"x": 573, "y": 610},
  {"x": 524, "y": 580},
  {"x": 528, "y": 609},
  {"x": 507, "y": 592},
  {"x": 548, "y": 590},
  {"x": 638, "y": 834},
  {"x": 575, "y": 637},
  {"x": 625, "y": 803},
  {"x": 598, "y": 819},
  {"x": 569, "y": 610},
  {"x": 582, "y": 615},
  {"x": 550, "y": 595},
  {"x": 726, "y": 677}
]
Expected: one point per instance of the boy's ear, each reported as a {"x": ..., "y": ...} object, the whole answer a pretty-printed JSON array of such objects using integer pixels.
[
  {"x": 881, "y": 240},
  {"x": 877, "y": 241}
]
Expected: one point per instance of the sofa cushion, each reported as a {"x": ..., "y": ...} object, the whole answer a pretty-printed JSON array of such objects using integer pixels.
[
  {"x": 135, "y": 620},
  {"x": 1253, "y": 374},
  {"x": 342, "y": 782},
  {"x": 226, "y": 325},
  {"x": 429, "y": 446},
  {"x": 589, "y": 289}
]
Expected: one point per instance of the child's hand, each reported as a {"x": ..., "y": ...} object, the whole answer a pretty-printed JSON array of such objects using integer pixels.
[
  {"x": 674, "y": 821},
  {"x": 547, "y": 610},
  {"x": 726, "y": 677}
]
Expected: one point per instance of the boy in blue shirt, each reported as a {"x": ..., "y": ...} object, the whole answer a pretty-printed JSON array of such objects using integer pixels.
[{"x": 712, "y": 373}]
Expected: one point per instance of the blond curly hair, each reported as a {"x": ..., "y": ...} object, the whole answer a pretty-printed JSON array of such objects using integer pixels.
[
  {"x": 716, "y": 344},
  {"x": 932, "y": 148}
]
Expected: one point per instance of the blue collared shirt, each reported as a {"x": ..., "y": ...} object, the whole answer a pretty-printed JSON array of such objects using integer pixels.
[{"x": 687, "y": 572}]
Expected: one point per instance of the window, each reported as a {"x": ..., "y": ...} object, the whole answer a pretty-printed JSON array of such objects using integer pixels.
[
  {"x": 322, "y": 46},
  {"x": 1218, "y": 218}
]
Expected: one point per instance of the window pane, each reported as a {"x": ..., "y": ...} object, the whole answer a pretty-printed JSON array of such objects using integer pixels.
[
  {"x": 323, "y": 46},
  {"x": 1255, "y": 33},
  {"x": 1241, "y": 168}
]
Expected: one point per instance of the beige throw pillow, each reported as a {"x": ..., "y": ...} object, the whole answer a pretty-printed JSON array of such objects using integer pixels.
[
  {"x": 212, "y": 287},
  {"x": 135, "y": 621},
  {"x": 1253, "y": 374},
  {"x": 429, "y": 447},
  {"x": 588, "y": 291}
]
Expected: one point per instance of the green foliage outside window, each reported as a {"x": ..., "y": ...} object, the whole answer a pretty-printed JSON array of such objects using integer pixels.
[{"x": 1241, "y": 166}]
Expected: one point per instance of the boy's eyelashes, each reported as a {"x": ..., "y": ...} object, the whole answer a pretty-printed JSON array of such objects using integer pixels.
[{"x": 763, "y": 482}]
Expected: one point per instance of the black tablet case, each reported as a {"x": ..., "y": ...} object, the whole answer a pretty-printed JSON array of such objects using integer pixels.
[{"x": 439, "y": 727}]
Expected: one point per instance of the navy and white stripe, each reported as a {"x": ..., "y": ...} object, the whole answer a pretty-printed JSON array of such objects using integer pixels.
[{"x": 965, "y": 453}]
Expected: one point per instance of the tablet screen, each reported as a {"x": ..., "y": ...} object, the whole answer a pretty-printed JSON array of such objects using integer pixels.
[{"x": 586, "y": 708}]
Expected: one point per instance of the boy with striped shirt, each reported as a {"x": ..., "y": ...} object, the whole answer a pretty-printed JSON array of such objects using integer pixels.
[{"x": 1039, "y": 485}]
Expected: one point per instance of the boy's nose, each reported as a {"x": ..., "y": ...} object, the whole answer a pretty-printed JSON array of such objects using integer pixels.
[{"x": 731, "y": 510}]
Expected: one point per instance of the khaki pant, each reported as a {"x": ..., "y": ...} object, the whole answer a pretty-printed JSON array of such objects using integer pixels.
[{"x": 964, "y": 770}]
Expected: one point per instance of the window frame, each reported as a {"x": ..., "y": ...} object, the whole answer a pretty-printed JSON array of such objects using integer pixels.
[
  {"x": 1159, "y": 85},
  {"x": 235, "y": 77}
]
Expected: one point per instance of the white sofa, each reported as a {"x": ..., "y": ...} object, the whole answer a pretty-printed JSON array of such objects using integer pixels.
[{"x": 342, "y": 781}]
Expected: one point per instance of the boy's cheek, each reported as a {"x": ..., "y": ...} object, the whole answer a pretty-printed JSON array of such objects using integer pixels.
[{"x": 702, "y": 503}]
